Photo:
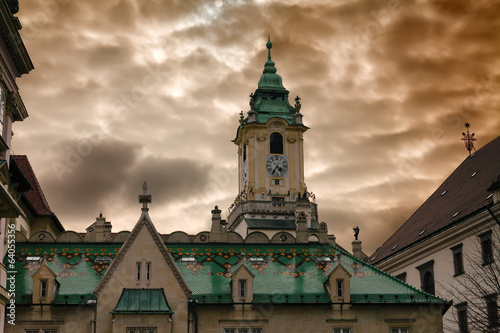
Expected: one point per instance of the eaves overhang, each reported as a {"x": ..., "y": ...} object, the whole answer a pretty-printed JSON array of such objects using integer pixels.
[{"x": 382, "y": 262}]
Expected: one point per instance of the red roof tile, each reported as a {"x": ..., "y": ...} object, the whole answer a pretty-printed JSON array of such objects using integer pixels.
[
  {"x": 35, "y": 196},
  {"x": 462, "y": 193}
]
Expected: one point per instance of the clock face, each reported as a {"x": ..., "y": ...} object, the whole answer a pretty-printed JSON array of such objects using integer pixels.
[
  {"x": 244, "y": 173},
  {"x": 276, "y": 165}
]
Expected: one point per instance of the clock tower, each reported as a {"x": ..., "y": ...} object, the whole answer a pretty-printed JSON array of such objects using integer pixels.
[{"x": 272, "y": 191}]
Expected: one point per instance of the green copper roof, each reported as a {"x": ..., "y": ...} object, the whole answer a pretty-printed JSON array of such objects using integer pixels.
[
  {"x": 142, "y": 301},
  {"x": 271, "y": 98},
  {"x": 288, "y": 273}
]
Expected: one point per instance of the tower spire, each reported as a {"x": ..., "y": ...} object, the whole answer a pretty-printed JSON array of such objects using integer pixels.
[{"x": 269, "y": 65}]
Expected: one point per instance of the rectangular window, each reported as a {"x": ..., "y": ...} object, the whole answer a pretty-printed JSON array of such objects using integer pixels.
[
  {"x": 243, "y": 285},
  {"x": 229, "y": 330},
  {"x": 243, "y": 330},
  {"x": 32, "y": 331},
  {"x": 458, "y": 262},
  {"x": 141, "y": 329},
  {"x": 341, "y": 330},
  {"x": 340, "y": 288},
  {"x": 462, "y": 318},
  {"x": 148, "y": 271},
  {"x": 43, "y": 289},
  {"x": 256, "y": 330},
  {"x": 486, "y": 248},
  {"x": 492, "y": 311},
  {"x": 49, "y": 331},
  {"x": 399, "y": 330},
  {"x": 138, "y": 271},
  {"x": 278, "y": 201}
]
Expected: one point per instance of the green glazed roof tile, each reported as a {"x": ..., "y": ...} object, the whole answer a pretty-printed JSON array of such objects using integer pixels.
[{"x": 288, "y": 272}]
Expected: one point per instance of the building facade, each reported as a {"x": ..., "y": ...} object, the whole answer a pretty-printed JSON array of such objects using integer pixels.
[
  {"x": 450, "y": 246},
  {"x": 271, "y": 267},
  {"x": 22, "y": 204}
]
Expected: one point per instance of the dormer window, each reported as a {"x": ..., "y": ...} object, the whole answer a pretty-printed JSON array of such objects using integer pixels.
[
  {"x": 276, "y": 143},
  {"x": 43, "y": 289},
  {"x": 340, "y": 288},
  {"x": 243, "y": 286}
]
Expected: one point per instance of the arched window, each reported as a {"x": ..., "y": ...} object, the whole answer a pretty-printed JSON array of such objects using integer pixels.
[
  {"x": 276, "y": 142},
  {"x": 244, "y": 152},
  {"x": 428, "y": 283}
]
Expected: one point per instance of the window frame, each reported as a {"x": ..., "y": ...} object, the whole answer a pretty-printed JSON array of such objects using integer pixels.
[
  {"x": 399, "y": 329},
  {"x": 276, "y": 139},
  {"x": 341, "y": 330},
  {"x": 492, "y": 312},
  {"x": 139, "y": 329},
  {"x": 486, "y": 247},
  {"x": 43, "y": 289},
  {"x": 458, "y": 260},
  {"x": 425, "y": 268},
  {"x": 148, "y": 271},
  {"x": 462, "y": 309},
  {"x": 340, "y": 288},
  {"x": 138, "y": 272},
  {"x": 242, "y": 288}
]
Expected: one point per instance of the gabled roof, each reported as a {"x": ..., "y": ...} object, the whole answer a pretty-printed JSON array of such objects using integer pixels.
[
  {"x": 143, "y": 222},
  {"x": 33, "y": 197},
  {"x": 289, "y": 273},
  {"x": 142, "y": 301},
  {"x": 462, "y": 194}
]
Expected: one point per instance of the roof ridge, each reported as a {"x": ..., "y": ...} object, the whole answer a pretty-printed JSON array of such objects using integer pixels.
[{"x": 408, "y": 221}]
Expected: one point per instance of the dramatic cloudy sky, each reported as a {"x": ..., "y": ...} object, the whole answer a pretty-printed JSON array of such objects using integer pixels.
[{"x": 127, "y": 91}]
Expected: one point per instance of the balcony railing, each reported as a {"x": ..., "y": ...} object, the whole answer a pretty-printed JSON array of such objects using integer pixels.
[{"x": 266, "y": 207}]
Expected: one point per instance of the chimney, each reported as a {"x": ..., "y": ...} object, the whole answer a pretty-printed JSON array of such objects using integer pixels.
[{"x": 218, "y": 232}]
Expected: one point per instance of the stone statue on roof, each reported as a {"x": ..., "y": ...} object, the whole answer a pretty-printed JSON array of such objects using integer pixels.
[{"x": 356, "y": 232}]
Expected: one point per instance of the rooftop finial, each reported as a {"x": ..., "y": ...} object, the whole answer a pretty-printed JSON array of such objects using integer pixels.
[
  {"x": 145, "y": 198},
  {"x": 269, "y": 65},
  {"x": 469, "y": 139},
  {"x": 269, "y": 46}
]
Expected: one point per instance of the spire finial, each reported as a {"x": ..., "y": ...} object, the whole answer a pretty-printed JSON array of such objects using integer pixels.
[
  {"x": 469, "y": 139},
  {"x": 269, "y": 46},
  {"x": 145, "y": 198}
]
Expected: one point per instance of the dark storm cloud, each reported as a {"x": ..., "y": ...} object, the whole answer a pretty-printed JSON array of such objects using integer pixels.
[
  {"x": 85, "y": 174},
  {"x": 386, "y": 87},
  {"x": 172, "y": 180}
]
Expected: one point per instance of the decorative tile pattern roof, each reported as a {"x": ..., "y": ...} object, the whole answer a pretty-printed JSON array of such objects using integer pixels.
[
  {"x": 288, "y": 273},
  {"x": 463, "y": 193},
  {"x": 139, "y": 301}
]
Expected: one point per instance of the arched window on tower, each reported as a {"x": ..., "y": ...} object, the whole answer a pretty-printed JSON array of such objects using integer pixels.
[
  {"x": 244, "y": 152},
  {"x": 276, "y": 143}
]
